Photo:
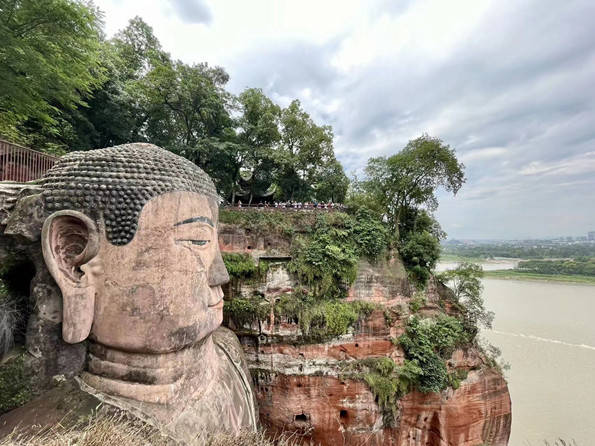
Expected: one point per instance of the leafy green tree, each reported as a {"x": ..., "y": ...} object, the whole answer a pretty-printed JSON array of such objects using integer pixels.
[
  {"x": 138, "y": 49},
  {"x": 465, "y": 281},
  {"x": 115, "y": 111},
  {"x": 306, "y": 157},
  {"x": 259, "y": 136},
  {"x": 420, "y": 254},
  {"x": 419, "y": 220},
  {"x": 49, "y": 63},
  {"x": 358, "y": 197},
  {"x": 331, "y": 183},
  {"x": 184, "y": 104},
  {"x": 410, "y": 178}
]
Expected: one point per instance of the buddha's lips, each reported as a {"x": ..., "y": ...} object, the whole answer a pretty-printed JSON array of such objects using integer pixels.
[{"x": 217, "y": 306}]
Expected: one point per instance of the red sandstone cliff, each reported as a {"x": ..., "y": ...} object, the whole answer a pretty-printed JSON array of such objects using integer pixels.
[{"x": 301, "y": 387}]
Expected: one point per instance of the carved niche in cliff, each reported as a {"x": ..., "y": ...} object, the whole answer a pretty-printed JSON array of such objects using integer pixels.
[{"x": 130, "y": 238}]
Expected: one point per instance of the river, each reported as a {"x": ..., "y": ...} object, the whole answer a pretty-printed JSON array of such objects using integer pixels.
[{"x": 546, "y": 332}]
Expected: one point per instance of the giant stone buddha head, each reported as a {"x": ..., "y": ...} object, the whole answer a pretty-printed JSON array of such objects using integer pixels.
[{"x": 130, "y": 238}]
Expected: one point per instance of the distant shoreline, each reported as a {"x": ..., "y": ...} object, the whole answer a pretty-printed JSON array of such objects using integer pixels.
[{"x": 507, "y": 274}]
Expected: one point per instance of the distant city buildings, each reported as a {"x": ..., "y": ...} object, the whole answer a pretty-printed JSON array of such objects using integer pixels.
[{"x": 591, "y": 236}]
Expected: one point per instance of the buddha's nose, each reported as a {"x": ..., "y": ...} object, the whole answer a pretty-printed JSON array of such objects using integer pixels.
[{"x": 217, "y": 272}]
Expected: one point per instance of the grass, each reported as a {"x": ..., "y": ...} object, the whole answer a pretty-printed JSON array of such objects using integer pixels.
[
  {"x": 101, "y": 430},
  {"x": 508, "y": 274}
]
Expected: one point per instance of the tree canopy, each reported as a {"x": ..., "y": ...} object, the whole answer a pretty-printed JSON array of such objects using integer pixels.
[
  {"x": 410, "y": 178},
  {"x": 65, "y": 87},
  {"x": 49, "y": 63}
]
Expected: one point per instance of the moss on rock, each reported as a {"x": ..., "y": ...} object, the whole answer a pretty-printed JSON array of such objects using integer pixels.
[{"x": 15, "y": 383}]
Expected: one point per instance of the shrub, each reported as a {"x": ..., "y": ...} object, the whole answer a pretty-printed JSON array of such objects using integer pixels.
[
  {"x": 245, "y": 312},
  {"x": 420, "y": 253},
  {"x": 370, "y": 234},
  {"x": 428, "y": 342},
  {"x": 239, "y": 266},
  {"x": 417, "y": 301},
  {"x": 325, "y": 262},
  {"x": 465, "y": 282},
  {"x": 321, "y": 320}
]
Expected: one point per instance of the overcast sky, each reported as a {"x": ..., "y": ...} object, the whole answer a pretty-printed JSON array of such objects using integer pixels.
[{"x": 509, "y": 84}]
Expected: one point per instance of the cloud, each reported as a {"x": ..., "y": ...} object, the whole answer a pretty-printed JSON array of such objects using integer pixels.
[
  {"x": 192, "y": 11},
  {"x": 508, "y": 88},
  {"x": 578, "y": 165},
  {"x": 482, "y": 154}
]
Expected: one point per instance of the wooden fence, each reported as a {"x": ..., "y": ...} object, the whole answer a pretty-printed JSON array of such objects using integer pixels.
[{"x": 21, "y": 164}]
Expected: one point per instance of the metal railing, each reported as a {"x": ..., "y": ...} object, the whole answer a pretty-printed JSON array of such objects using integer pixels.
[{"x": 18, "y": 163}]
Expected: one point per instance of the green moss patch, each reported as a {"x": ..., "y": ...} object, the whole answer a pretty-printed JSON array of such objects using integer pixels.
[{"x": 15, "y": 384}]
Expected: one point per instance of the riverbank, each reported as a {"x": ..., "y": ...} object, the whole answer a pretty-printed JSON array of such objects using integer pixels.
[
  {"x": 508, "y": 274},
  {"x": 447, "y": 258}
]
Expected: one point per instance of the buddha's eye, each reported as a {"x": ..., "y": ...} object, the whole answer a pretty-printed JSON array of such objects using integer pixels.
[
  {"x": 195, "y": 234},
  {"x": 193, "y": 242},
  {"x": 200, "y": 242}
]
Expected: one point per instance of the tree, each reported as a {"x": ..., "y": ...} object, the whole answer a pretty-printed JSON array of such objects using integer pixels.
[
  {"x": 259, "y": 136},
  {"x": 184, "y": 104},
  {"x": 331, "y": 182},
  {"x": 49, "y": 63},
  {"x": 419, "y": 220},
  {"x": 410, "y": 178},
  {"x": 465, "y": 281},
  {"x": 116, "y": 111},
  {"x": 420, "y": 253},
  {"x": 309, "y": 169}
]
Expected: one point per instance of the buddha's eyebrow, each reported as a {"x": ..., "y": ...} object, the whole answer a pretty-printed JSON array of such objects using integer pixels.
[{"x": 196, "y": 219}]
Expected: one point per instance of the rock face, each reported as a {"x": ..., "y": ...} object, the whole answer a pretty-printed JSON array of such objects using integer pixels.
[{"x": 303, "y": 388}]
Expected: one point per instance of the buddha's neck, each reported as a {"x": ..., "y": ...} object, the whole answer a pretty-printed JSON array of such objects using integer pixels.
[{"x": 154, "y": 378}]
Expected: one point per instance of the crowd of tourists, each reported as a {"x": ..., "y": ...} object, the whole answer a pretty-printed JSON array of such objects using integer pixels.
[{"x": 294, "y": 205}]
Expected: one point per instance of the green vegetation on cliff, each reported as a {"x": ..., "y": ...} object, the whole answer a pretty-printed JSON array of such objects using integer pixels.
[
  {"x": 427, "y": 343},
  {"x": 268, "y": 222},
  {"x": 319, "y": 320},
  {"x": 325, "y": 247}
]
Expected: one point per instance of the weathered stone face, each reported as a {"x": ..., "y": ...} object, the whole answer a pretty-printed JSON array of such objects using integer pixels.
[
  {"x": 138, "y": 273},
  {"x": 162, "y": 291}
]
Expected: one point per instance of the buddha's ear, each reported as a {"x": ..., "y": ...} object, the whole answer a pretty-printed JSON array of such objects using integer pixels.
[{"x": 70, "y": 243}]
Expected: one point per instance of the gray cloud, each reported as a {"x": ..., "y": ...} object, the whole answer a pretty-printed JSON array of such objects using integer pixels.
[
  {"x": 515, "y": 99},
  {"x": 192, "y": 11}
]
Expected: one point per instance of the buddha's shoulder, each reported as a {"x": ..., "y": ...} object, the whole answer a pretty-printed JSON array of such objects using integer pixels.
[
  {"x": 235, "y": 361},
  {"x": 228, "y": 342}
]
